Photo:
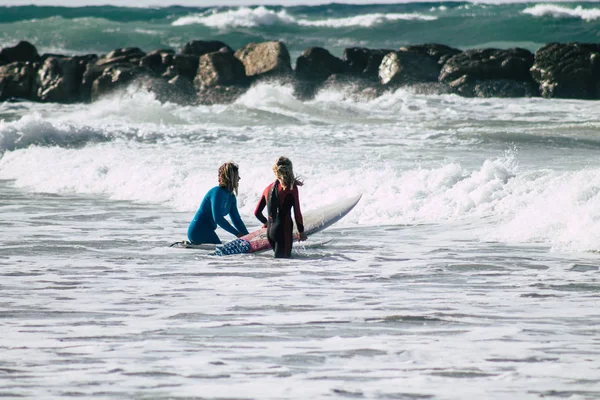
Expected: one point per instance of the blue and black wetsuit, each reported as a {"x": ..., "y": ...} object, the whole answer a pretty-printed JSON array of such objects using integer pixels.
[
  {"x": 217, "y": 203},
  {"x": 279, "y": 203}
]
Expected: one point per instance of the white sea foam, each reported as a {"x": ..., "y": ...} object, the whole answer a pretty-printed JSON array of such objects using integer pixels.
[
  {"x": 262, "y": 16},
  {"x": 561, "y": 12},
  {"x": 411, "y": 168},
  {"x": 544, "y": 207},
  {"x": 241, "y": 17},
  {"x": 210, "y": 3},
  {"x": 562, "y": 209},
  {"x": 367, "y": 20}
]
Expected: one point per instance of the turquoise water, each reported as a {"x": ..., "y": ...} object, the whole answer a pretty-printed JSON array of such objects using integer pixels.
[{"x": 99, "y": 29}]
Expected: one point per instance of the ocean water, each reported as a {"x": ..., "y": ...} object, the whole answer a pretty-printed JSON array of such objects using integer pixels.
[
  {"x": 468, "y": 270},
  {"x": 100, "y": 29}
]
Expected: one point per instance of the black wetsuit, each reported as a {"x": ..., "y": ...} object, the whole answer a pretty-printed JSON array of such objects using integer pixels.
[{"x": 279, "y": 203}]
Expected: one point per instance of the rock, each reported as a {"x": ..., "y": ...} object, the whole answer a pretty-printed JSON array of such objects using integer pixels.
[
  {"x": 505, "y": 88},
  {"x": 22, "y": 51},
  {"x": 158, "y": 61},
  {"x": 116, "y": 76},
  {"x": 408, "y": 67},
  {"x": 355, "y": 87},
  {"x": 481, "y": 72},
  {"x": 266, "y": 59},
  {"x": 568, "y": 70},
  {"x": 59, "y": 78},
  {"x": 317, "y": 64},
  {"x": 468, "y": 87},
  {"x": 201, "y": 47},
  {"x": 125, "y": 55},
  {"x": 220, "y": 69},
  {"x": 17, "y": 80},
  {"x": 439, "y": 52},
  {"x": 313, "y": 67},
  {"x": 363, "y": 62},
  {"x": 178, "y": 90},
  {"x": 489, "y": 64},
  {"x": 219, "y": 94},
  {"x": 184, "y": 65}
]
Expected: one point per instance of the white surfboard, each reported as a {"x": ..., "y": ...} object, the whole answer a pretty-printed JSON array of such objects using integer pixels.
[{"x": 314, "y": 221}]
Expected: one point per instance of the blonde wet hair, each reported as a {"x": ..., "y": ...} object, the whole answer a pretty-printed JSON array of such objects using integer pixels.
[
  {"x": 229, "y": 176},
  {"x": 284, "y": 171}
]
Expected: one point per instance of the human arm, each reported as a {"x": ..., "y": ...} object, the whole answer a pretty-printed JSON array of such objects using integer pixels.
[
  {"x": 298, "y": 215},
  {"x": 236, "y": 219},
  {"x": 220, "y": 209},
  {"x": 258, "y": 211}
]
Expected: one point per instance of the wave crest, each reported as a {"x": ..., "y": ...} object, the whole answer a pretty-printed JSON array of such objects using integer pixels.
[
  {"x": 261, "y": 16},
  {"x": 242, "y": 17},
  {"x": 562, "y": 12},
  {"x": 34, "y": 130}
]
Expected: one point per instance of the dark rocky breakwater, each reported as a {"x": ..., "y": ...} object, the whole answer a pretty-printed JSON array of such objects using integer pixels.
[{"x": 211, "y": 72}]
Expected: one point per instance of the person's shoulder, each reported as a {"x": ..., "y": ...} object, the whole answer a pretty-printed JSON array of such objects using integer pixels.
[
  {"x": 218, "y": 191},
  {"x": 269, "y": 187}
]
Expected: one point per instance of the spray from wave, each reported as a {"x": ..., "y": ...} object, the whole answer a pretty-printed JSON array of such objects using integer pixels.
[
  {"x": 261, "y": 16},
  {"x": 563, "y": 12}
]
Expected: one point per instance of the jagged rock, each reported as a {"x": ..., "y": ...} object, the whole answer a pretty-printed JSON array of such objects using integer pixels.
[
  {"x": 186, "y": 93},
  {"x": 158, "y": 60},
  {"x": 407, "y": 67},
  {"x": 266, "y": 59},
  {"x": 59, "y": 78},
  {"x": 91, "y": 73},
  {"x": 467, "y": 73},
  {"x": 440, "y": 52},
  {"x": 313, "y": 67},
  {"x": 363, "y": 62},
  {"x": 489, "y": 64},
  {"x": 131, "y": 55},
  {"x": 463, "y": 86},
  {"x": 221, "y": 68},
  {"x": 201, "y": 47},
  {"x": 317, "y": 64},
  {"x": 505, "y": 88},
  {"x": 185, "y": 65},
  {"x": 219, "y": 94},
  {"x": 125, "y": 56},
  {"x": 22, "y": 51},
  {"x": 414, "y": 64},
  {"x": 208, "y": 72},
  {"x": 468, "y": 87},
  {"x": 116, "y": 76},
  {"x": 17, "y": 80},
  {"x": 353, "y": 86},
  {"x": 177, "y": 90},
  {"x": 568, "y": 70}
]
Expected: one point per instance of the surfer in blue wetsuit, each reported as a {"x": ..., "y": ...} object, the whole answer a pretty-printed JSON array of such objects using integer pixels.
[
  {"x": 218, "y": 202},
  {"x": 279, "y": 198}
]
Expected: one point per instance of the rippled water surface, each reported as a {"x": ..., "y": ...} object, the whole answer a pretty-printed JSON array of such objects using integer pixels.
[{"x": 94, "y": 306}]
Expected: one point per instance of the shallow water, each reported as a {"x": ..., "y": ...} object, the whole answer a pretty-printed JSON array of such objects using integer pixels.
[
  {"x": 94, "y": 305},
  {"x": 468, "y": 270}
]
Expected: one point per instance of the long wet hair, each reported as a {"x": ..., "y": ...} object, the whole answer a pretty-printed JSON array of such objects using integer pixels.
[
  {"x": 284, "y": 171},
  {"x": 228, "y": 174}
]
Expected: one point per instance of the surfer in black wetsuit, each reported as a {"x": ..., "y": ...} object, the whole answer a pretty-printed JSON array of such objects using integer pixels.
[{"x": 279, "y": 198}]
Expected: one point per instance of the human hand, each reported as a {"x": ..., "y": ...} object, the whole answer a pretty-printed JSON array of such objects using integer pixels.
[{"x": 302, "y": 237}]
